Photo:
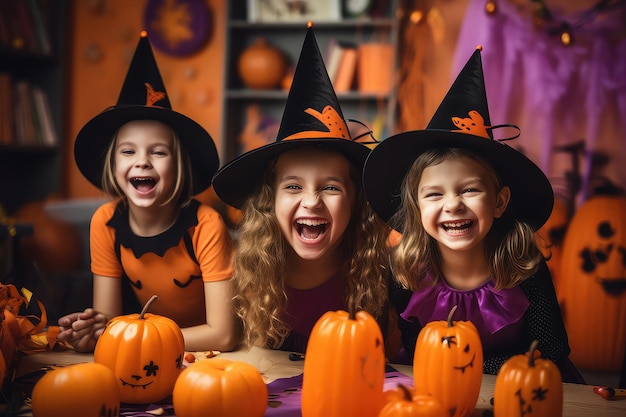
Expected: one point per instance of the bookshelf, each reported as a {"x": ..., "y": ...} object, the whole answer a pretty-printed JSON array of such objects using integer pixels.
[
  {"x": 32, "y": 42},
  {"x": 376, "y": 108}
]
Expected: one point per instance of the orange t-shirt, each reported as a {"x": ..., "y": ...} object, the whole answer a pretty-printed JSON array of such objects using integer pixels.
[{"x": 173, "y": 265}]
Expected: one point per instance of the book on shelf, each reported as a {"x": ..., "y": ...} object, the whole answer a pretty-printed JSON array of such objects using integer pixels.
[
  {"x": 23, "y": 26},
  {"x": 33, "y": 117},
  {"x": 47, "y": 131},
  {"x": 6, "y": 109},
  {"x": 344, "y": 79},
  {"x": 341, "y": 64}
]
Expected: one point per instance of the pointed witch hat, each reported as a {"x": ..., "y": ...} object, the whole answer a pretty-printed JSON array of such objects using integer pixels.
[
  {"x": 461, "y": 121},
  {"x": 312, "y": 116},
  {"x": 143, "y": 97}
]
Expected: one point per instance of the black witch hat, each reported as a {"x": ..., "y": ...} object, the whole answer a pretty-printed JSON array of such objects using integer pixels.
[
  {"x": 312, "y": 116},
  {"x": 143, "y": 97},
  {"x": 461, "y": 121}
]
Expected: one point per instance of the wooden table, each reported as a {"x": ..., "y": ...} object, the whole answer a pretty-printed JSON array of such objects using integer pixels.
[{"x": 578, "y": 400}]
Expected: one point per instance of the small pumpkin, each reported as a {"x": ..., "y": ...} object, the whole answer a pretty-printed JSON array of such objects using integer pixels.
[
  {"x": 449, "y": 354},
  {"x": 220, "y": 387},
  {"x": 82, "y": 390},
  {"x": 404, "y": 403},
  {"x": 344, "y": 366},
  {"x": 145, "y": 352},
  {"x": 528, "y": 385},
  {"x": 593, "y": 268},
  {"x": 262, "y": 65}
]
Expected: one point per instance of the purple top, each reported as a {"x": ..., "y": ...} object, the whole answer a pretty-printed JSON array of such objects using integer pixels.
[
  {"x": 496, "y": 314},
  {"x": 305, "y": 307}
]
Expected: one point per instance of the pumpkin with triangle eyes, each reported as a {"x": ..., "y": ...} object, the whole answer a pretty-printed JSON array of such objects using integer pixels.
[
  {"x": 448, "y": 364},
  {"x": 80, "y": 390},
  {"x": 145, "y": 352}
]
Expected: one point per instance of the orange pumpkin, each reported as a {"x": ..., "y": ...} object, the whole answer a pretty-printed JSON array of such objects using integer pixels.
[
  {"x": 145, "y": 352},
  {"x": 405, "y": 403},
  {"x": 220, "y": 387},
  {"x": 449, "y": 354},
  {"x": 550, "y": 240},
  {"x": 262, "y": 66},
  {"x": 593, "y": 267},
  {"x": 527, "y": 385},
  {"x": 81, "y": 390},
  {"x": 344, "y": 366}
]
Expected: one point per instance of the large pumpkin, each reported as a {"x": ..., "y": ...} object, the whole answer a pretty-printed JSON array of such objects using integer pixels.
[
  {"x": 448, "y": 364},
  {"x": 344, "y": 366},
  {"x": 220, "y": 387},
  {"x": 81, "y": 390},
  {"x": 528, "y": 386},
  {"x": 593, "y": 268},
  {"x": 145, "y": 352}
]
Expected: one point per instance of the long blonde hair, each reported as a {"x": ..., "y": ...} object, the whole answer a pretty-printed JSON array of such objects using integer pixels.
[
  {"x": 181, "y": 192},
  {"x": 510, "y": 244},
  {"x": 260, "y": 264}
]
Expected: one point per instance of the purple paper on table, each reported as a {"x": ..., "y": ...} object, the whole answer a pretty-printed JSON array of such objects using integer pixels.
[{"x": 285, "y": 394}]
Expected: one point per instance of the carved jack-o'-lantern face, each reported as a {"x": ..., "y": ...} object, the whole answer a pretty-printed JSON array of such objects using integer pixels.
[
  {"x": 449, "y": 354},
  {"x": 145, "y": 352},
  {"x": 593, "y": 267}
]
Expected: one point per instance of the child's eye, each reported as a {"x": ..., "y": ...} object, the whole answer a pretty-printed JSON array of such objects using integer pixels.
[
  {"x": 292, "y": 187},
  {"x": 471, "y": 190},
  {"x": 332, "y": 188},
  {"x": 127, "y": 152}
]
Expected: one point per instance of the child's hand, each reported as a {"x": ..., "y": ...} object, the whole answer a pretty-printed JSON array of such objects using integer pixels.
[{"x": 81, "y": 330}]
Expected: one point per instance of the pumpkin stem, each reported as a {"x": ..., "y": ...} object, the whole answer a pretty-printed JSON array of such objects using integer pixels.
[
  {"x": 531, "y": 353},
  {"x": 405, "y": 392},
  {"x": 351, "y": 314},
  {"x": 450, "y": 316},
  {"x": 144, "y": 310}
]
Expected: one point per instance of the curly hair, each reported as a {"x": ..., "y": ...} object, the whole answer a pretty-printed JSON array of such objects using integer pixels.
[
  {"x": 510, "y": 244},
  {"x": 260, "y": 264}
]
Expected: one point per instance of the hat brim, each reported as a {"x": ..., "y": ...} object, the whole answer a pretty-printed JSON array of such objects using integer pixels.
[
  {"x": 532, "y": 197},
  {"x": 94, "y": 138},
  {"x": 238, "y": 179}
]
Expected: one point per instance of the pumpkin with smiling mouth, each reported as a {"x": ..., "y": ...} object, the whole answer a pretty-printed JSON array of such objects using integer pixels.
[
  {"x": 448, "y": 364},
  {"x": 145, "y": 352}
]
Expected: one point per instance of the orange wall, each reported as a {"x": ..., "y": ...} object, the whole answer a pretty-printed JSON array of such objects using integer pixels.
[{"x": 102, "y": 40}]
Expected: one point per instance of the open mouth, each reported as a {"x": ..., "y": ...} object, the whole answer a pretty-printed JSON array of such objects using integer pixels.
[
  {"x": 311, "y": 229},
  {"x": 469, "y": 365},
  {"x": 457, "y": 227},
  {"x": 614, "y": 287},
  {"x": 143, "y": 184}
]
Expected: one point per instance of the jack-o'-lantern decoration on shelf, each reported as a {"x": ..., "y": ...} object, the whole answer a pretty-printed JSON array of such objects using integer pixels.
[
  {"x": 527, "y": 385},
  {"x": 344, "y": 366},
  {"x": 448, "y": 364},
  {"x": 593, "y": 268},
  {"x": 550, "y": 240},
  {"x": 220, "y": 387},
  {"x": 145, "y": 352},
  {"x": 81, "y": 390}
]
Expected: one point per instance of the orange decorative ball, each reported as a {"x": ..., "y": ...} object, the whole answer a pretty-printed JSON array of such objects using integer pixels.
[{"x": 262, "y": 66}]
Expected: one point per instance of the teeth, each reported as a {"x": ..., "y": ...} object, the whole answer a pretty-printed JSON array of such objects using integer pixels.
[
  {"x": 461, "y": 224},
  {"x": 311, "y": 222}
]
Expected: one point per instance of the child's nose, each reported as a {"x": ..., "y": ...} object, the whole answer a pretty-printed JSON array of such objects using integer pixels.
[
  {"x": 453, "y": 203},
  {"x": 311, "y": 200}
]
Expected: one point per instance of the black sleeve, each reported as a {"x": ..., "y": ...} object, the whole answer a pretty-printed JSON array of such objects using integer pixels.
[
  {"x": 544, "y": 323},
  {"x": 399, "y": 298}
]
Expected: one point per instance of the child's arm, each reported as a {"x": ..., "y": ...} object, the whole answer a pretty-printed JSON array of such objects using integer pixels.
[{"x": 219, "y": 332}]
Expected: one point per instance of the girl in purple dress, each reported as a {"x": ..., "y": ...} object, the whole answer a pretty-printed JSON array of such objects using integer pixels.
[
  {"x": 468, "y": 206},
  {"x": 308, "y": 242}
]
